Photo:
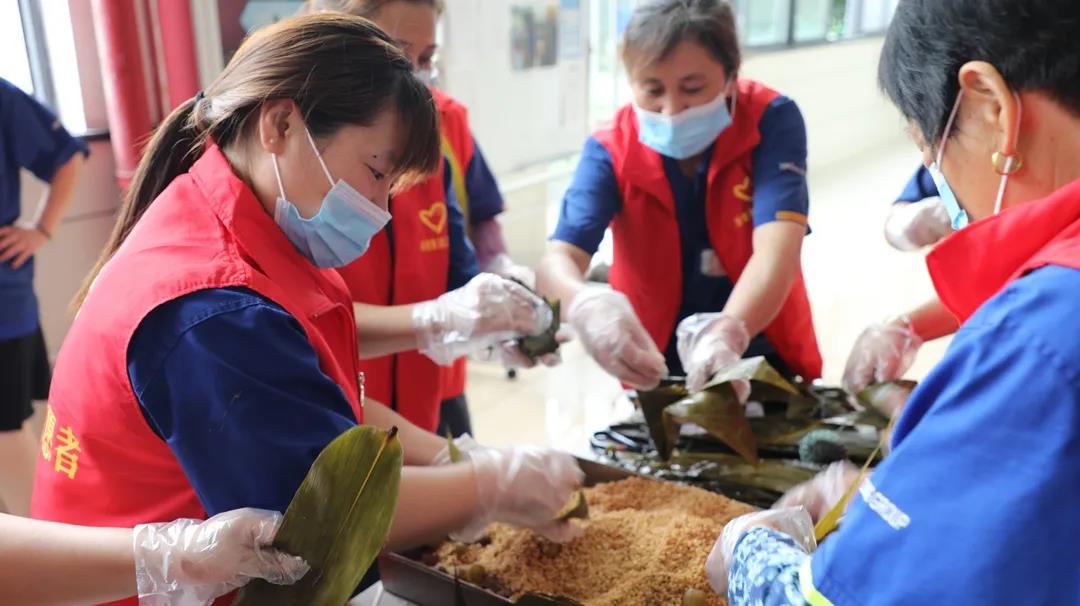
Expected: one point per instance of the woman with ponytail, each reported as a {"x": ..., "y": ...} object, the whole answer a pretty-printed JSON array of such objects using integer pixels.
[{"x": 214, "y": 353}]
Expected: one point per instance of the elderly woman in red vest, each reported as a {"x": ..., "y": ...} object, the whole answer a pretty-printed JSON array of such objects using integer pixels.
[
  {"x": 214, "y": 355},
  {"x": 702, "y": 180}
]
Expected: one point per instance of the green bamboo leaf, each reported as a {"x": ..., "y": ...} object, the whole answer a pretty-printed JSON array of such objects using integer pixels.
[
  {"x": 652, "y": 405},
  {"x": 338, "y": 520},
  {"x": 576, "y": 508},
  {"x": 887, "y": 398},
  {"x": 759, "y": 372},
  {"x": 717, "y": 410},
  {"x": 456, "y": 455},
  {"x": 544, "y": 343}
]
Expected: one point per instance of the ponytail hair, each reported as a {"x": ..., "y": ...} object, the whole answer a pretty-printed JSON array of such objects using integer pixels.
[{"x": 339, "y": 69}]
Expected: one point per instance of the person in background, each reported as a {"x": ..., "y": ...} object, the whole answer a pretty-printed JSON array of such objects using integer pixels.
[
  {"x": 975, "y": 502},
  {"x": 702, "y": 180},
  {"x": 181, "y": 562},
  {"x": 918, "y": 218},
  {"x": 214, "y": 355},
  {"x": 885, "y": 351},
  {"x": 31, "y": 138},
  {"x": 420, "y": 301}
]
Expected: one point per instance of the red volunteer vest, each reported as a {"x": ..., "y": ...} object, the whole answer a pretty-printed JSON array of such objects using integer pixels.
[
  {"x": 101, "y": 464},
  {"x": 413, "y": 267},
  {"x": 457, "y": 145},
  {"x": 975, "y": 263},
  {"x": 647, "y": 265}
]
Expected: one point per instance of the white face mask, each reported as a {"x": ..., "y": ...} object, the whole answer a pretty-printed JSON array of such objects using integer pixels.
[{"x": 342, "y": 229}]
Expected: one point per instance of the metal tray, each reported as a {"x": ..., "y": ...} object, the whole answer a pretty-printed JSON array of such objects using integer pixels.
[{"x": 407, "y": 577}]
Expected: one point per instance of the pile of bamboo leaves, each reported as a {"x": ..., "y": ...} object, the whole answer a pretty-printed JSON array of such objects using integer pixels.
[{"x": 756, "y": 459}]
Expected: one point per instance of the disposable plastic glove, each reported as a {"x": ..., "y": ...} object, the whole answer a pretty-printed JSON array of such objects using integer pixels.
[
  {"x": 820, "y": 494},
  {"x": 709, "y": 342},
  {"x": 487, "y": 311},
  {"x": 465, "y": 445},
  {"x": 883, "y": 352},
  {"x": 502, "y": 265},
  {"x": 191, "y": 562},
  {"x": 792, "y": 521},
  {"x": 917, "y": 224},
  {"x": 612, "y": 334},
  {"x": 524, "y": 486}
]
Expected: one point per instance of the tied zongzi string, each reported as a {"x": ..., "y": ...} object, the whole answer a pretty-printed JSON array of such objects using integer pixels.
[{"x": 831, "y": 520}]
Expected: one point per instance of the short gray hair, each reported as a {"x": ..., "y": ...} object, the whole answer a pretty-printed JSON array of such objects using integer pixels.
[{"x": 658, "y": 26}]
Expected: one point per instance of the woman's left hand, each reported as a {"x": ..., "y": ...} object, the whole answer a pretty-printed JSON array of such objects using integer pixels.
[
  {"x": 709, "y": 342},
  {"x": 18, "y": 244},
  {"x": 792, "y": 521}
]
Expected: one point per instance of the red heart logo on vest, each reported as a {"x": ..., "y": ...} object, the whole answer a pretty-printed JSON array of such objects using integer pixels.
[{"x": 434, "y": 217}]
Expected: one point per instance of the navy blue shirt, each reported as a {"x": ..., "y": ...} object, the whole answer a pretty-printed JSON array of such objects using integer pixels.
[
  {"x": 485, "y": 201},
  {"x": 780, "y": 193},
  {"x": 229, "y": 380},
  {"x": 920, "y": 187},
  {"x": 31, "y": 138},
  {"x": 975, "y": 503}
]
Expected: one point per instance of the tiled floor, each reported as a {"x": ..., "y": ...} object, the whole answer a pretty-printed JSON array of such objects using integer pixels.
[{"x": 853, "y": 276}]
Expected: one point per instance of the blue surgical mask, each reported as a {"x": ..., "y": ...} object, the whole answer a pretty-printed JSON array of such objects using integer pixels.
[
  {"x": 342, "y": 229},
  {"x": 687, "y": 133},
  {"x": 957, "y": 215}
]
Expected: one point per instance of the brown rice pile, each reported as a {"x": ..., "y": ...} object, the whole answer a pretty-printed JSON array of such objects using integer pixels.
[{"x": 645, "y": 542}]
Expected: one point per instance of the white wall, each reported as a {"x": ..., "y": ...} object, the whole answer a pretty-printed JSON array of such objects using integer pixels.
[
  {"x": 835, "y": 85},
  {"x": 64, "y": 262},
  {"x": 520, "y": 117}
]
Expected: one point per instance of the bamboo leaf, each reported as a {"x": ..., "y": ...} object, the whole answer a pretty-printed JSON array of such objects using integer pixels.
[
  {"x": 717, "y": 410},
  {"x": 455, "y": 453},
  {"x": 887, "y": 398},
  {"x": 652, "y": 405},
  {"x": 577, "y": 507},
  {"x": 759, "y": 372},
  {"x": 338, "y": 520},
  {"x": 544, "y": 343}
]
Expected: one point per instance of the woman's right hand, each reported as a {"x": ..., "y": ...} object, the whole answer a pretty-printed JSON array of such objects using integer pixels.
[
  {"x": 524, "y": 486},
  {"x": 883, "y": 352},
  {"x": 486, "y": 312},
  {"x": 195, "y": 561},
  {"x": 613, "y": 335}
]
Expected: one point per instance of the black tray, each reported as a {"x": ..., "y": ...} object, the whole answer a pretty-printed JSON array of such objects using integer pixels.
[{"x": 408, "y": 578}]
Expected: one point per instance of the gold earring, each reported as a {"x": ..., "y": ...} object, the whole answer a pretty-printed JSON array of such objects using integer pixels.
[{"x": 1006, "y": 164}]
